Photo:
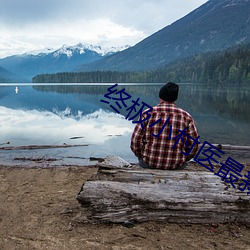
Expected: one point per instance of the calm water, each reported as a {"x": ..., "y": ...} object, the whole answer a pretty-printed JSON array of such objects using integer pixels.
[{"x": 74, "y": 114}]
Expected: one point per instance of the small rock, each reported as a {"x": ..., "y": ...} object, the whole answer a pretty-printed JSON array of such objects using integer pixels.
[
  {"x": 70, "y": 227},
  {"x": 128, "y": 224},
  {"x": 67, "y": 210}
]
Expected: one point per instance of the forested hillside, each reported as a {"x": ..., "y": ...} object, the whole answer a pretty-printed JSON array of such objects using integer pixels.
[
  {"x": 214, "y": 26},
  {"x": 231, "y": 66}
]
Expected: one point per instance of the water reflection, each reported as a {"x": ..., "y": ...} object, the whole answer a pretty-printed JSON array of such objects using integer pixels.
[
  {"x": 222, "y": 114},
  {"x": 52, "y": 114},
  {"x": 33, "y": 127},
  {"x": 229, "y": 101}
]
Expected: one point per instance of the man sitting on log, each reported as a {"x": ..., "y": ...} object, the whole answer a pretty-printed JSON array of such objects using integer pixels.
[{"x": 166, "y": 136}]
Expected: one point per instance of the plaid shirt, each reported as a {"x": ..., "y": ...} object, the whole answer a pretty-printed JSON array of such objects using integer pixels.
[{"x": 157, "y": 152}]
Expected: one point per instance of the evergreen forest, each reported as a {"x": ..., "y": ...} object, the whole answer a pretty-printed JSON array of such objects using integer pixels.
[{"x": 231, "y": 66}]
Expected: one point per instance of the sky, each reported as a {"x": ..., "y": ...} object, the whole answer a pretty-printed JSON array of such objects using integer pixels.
[{"x": 32, "y": 25}]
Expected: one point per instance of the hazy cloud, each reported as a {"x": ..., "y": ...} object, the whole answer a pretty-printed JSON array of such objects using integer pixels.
[
  {"x": 33, "y": 126},
  {"x": 37, "y": 23}
]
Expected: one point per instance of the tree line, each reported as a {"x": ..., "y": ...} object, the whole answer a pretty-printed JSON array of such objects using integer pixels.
[{"x": 231, "y": 66}]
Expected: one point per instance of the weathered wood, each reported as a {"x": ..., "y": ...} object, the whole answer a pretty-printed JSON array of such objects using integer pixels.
[
  {"x": 231, "y": 147},
  {"x": 29, "y": 147},
  {"x": 39, "y": 159},
  {"x": 119, "y": 195},
  {"x": 113, "y": 161}
]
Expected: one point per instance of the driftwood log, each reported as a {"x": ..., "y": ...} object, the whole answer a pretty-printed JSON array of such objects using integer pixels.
[
  {"x": 231, "y": 147},
  {"x": 30, "y": 147},
  {"x": 119, "y": 195}
]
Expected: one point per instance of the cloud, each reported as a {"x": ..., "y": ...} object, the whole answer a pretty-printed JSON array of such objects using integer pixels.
[
  {"x": 22, "y": 12},
  {"x": 33, "y": 127},
  {"x": 31, "y": 24},
  {"x": 38, "y": 36},
  {"x": 142, "y": 14}
]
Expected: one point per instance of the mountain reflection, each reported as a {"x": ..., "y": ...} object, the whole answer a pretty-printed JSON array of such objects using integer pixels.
[
  {"x": 230, "y": 102},
  {"x": 54, "y": 114}
]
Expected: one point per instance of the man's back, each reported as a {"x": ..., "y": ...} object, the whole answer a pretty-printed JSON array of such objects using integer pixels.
[{"x": 167, "y": 133}]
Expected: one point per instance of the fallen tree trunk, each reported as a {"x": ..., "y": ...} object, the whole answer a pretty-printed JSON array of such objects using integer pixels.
[
  {"x": 231, "y": 147},
  {"x": 120, "y": 195},
  {"x": 29, "y": 147}
]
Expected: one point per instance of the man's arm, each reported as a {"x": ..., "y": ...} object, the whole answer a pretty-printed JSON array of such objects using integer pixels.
[
  {"x": 193, "y": 133},
  {"x": 137, "y": 140}
]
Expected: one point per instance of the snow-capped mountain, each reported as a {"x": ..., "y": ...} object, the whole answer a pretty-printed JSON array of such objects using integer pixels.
[
  {"x": 81, "y": 48},
  {"x": 49, "y": 60}
]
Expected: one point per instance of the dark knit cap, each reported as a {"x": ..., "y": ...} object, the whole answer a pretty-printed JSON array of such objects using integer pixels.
[{"x": 169, "y": 92}]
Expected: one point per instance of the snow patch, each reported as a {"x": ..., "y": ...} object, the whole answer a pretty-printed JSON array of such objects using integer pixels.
[{"x": 81, "y": 48}]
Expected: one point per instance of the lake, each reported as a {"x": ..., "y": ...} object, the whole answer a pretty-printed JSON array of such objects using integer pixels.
[{"x": 73, "y": 114}]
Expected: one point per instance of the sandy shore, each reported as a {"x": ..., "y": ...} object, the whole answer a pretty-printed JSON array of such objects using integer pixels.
[{"x": 38, "y": 210}]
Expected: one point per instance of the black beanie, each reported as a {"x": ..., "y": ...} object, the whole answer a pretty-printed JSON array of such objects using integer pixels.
[{"x": 169, "y": 92}]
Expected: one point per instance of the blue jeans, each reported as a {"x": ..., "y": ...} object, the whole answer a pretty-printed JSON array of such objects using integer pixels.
[{"x": 145, "y": 165}]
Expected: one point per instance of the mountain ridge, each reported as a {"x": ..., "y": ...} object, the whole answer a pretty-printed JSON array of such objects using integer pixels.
[
  {"x": 228, "y": 67},
  {"x": 65, "y": 58},
  {"x": 215, "y": 25},
  {"x": 9, "y": 77}
]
